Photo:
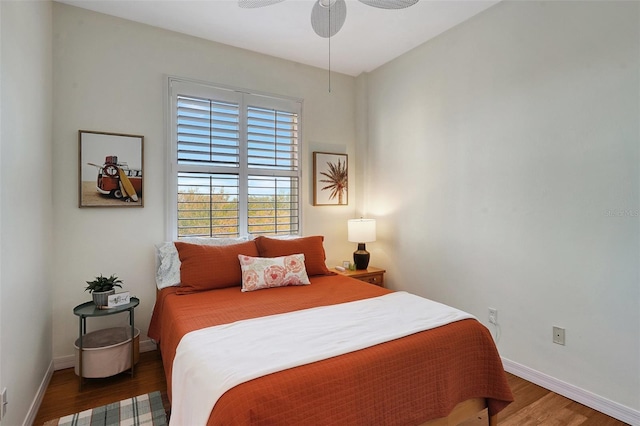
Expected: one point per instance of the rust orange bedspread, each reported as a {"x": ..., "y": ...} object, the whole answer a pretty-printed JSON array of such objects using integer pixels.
[{"x": 403, "y": 382}]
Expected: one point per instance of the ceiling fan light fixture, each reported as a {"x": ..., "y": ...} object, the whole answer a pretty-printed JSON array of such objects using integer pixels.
[
  {"x": 328, "y": 16},
  {"x": 326, "y": 3},
  {"x": 327, "y": 21}
]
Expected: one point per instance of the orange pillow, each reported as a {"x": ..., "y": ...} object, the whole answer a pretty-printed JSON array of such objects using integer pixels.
[
  {"x": 311, "y": 247},
  {"x": 210, "y": 267}
]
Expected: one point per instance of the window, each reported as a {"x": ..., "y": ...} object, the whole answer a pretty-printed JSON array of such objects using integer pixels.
[{"x": 234, "y": 162}]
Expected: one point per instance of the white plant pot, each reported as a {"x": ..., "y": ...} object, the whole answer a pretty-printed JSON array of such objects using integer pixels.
[{"x": 101, "y": 298}]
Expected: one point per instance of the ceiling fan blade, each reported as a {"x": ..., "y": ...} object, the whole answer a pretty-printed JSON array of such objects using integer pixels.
[
  {"x": 327, "y": 21},
  {"x": 252, "y": 4},
  {"x": 389, "y": 4}
]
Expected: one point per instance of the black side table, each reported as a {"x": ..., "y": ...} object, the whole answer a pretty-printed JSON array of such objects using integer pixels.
[{"x": 89, "y": 309}]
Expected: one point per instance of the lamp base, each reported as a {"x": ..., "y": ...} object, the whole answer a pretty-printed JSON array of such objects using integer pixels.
[{"x": 361, "y": 257}]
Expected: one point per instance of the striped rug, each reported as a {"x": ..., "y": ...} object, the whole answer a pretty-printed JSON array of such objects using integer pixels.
[{"x": 140, "y": 410}]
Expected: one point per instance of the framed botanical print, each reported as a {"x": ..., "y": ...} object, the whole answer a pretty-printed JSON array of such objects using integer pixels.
[
  {"x": 330, "y": 179},
  {"x": 110, "y": 169}
]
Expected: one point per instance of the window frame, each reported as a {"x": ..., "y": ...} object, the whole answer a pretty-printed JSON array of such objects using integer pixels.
[{"x": 180, "y": 86}]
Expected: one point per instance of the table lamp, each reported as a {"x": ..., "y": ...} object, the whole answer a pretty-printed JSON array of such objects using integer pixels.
[{"x": 361, "y": 231}]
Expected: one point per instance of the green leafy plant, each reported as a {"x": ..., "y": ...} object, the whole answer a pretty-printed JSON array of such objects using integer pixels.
[{"x": 103, "y": 284}]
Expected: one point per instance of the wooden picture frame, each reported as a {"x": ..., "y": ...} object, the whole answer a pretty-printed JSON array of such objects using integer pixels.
[
  {"x": 330, "y": 179},
  {"x": 110, "y": 171}
]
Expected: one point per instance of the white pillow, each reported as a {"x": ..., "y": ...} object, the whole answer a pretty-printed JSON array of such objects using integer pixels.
[
  {"x": 168, "y": 261},
  {"x": 269, "y": 272}
]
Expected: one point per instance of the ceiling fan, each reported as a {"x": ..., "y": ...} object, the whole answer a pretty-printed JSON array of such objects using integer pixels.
[{"x": 328, "y": 16}]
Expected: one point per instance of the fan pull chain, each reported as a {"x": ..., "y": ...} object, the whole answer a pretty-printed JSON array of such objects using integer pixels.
[
  {"x": 330, "y": 48},
  {"x": 329, "y": 63}
]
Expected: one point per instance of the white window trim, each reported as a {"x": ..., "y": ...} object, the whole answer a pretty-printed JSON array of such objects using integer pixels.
[{"x": 176, "y": 85}]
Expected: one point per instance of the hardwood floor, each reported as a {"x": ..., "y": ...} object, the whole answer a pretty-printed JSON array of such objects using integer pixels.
[
  {"x": 63, "y": 395},
  {"x": 533, "y": 405}
]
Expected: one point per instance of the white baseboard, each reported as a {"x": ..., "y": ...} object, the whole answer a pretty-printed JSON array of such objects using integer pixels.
[
  {"x": 69, "y": 361},
  {"x": 591, "y": 400},
  {"x": 37, "y": 401}
]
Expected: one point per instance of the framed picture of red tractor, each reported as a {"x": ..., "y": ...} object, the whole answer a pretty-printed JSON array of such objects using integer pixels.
[{"x": 110, "y": 172}]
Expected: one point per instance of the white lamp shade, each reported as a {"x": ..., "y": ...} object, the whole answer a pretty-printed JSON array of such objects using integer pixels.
[{"x": 361, "y": 230}]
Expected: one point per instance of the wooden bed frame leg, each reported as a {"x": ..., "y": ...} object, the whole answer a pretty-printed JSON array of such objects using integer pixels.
[
  {"x": 493, "y": 420},
  {"x": 465, "y": 410}
]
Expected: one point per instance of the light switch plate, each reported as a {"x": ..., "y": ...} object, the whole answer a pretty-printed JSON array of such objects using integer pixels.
[{"x": 558, "y": 335}]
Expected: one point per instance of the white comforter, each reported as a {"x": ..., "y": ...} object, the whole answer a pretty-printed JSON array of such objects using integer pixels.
[{"x": 210, "y": 361}]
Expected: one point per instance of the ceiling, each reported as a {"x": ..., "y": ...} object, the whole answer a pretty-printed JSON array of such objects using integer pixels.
[{"x": 369, "y": 38}]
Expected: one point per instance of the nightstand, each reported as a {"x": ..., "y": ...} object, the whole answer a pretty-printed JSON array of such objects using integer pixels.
[
  {"x": 103, "y": 341},
  {"x": 371, "y": 275}
]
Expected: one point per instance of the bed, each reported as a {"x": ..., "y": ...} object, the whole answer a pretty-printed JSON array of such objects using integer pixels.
[{"x": 444, "y": 374}]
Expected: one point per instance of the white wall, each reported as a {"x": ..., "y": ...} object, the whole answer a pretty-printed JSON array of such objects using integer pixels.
[
  {"x": 26, "y": 275},
  {"x": 110, "y": 75},
  {"x": 503, "y": 167}
]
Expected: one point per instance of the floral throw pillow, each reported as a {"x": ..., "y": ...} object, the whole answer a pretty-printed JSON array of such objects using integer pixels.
[{"x": 268, "y": 272}]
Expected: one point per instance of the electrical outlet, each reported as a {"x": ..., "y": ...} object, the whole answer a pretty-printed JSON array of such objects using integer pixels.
[
  {"x": 3, "y": 403},
  {"x": 493, "y": 316},
  {"x": 558, "y": 335}
]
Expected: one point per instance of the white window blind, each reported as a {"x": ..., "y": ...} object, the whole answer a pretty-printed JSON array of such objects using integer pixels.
[
  {"x": 235, "y": 158},
  {"x": 208, "y": 132}
]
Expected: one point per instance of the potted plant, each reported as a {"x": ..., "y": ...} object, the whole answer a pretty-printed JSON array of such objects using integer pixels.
[{"x": 101, "y": 288}]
